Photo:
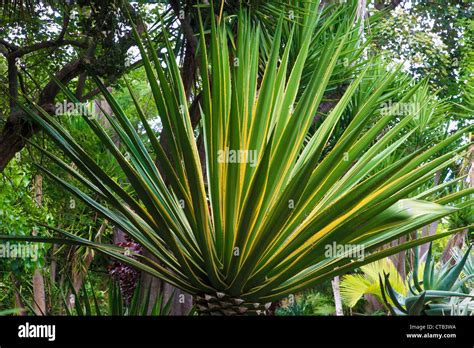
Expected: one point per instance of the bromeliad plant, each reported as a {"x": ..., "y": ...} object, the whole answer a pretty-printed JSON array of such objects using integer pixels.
[{"x": 254, "y": 225}]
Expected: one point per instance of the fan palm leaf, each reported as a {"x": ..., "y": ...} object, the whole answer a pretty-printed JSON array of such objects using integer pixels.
[{"x": 354, "y": 286}]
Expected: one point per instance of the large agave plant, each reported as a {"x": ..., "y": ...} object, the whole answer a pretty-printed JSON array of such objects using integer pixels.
[{"x": 256, "y": 224}]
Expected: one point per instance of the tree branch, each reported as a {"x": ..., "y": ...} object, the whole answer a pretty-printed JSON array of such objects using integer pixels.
[
  {"x": 189, "y": 67},
  {"x": 18, "y": 128},
  {"x": 8, "y": 45},
  {"x": 12, "y": 82},
  {"x": 45, "y": 44}
]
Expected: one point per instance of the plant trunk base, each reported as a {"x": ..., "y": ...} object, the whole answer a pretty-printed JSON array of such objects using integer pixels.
[{"x": 224, "y": 305}]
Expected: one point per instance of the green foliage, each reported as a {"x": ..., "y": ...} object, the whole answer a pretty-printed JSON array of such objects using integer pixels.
[
  {"x": 86, "y": 303},
  {"x": 468, "y": 270},
  {"x": 308, "y": 303},
  {"x": 10, "y": 312},
  {"x": 430, "y": 38},
  {"x": 19, "y": 215},
  {"x": 434, "y": 292}
]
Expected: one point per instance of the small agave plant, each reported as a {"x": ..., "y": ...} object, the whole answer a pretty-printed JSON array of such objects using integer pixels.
[
  {"x": 241, "y": 234},
  {"x": 440, "y": 291}
]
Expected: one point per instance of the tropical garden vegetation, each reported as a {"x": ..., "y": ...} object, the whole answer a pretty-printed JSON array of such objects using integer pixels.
[{"x": 294, "y": 157}]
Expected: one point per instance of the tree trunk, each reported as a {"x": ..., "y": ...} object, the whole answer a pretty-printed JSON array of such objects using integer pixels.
[
  {"x": 54, "y": 265},
  {"x": 182, "y": 302},
  {"x": 337, "y": 296},
  {"x": 361, "y": 15},
  {"x": 39, "y": 296},
  {"x": 18, "y": 301},
  {"x": 147, "y": 281}
]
